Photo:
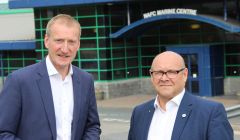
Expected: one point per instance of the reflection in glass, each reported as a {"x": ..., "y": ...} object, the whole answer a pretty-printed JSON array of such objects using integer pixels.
[{"x": 195, "y": 87}]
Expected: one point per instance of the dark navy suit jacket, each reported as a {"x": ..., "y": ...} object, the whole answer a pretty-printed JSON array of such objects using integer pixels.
[
  {"x": 205, "y": 120},
  {"x": 27, "y": 110}
]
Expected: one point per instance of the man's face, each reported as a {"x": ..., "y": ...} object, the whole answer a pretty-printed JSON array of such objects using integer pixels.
[
  {"x": 62, "y": 44},
  {"x": 167, "y": 87}
]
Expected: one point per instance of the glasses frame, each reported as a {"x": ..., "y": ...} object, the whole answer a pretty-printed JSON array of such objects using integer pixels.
[{"x": 166, "y": 73}]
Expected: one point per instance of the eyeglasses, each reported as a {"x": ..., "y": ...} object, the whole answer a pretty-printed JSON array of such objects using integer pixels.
[{"x": 170, "y": 74}]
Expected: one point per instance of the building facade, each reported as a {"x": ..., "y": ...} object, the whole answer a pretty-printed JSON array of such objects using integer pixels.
[
  {"x": 121, "y": 37},
  {"x": 17, "y": 39}
]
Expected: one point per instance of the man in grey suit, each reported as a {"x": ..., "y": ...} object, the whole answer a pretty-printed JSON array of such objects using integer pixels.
[
  {"x": 176, "y": 114},
  {"x": 52, "y": 99}
]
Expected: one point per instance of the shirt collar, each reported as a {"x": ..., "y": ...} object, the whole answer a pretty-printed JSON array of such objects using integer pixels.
[
  {"x": 52, "y": 70},
  {"x": 177, "y": 99}
]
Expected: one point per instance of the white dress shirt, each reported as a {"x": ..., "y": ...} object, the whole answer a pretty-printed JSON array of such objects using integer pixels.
[
  {"x": 163, "y": 121},
  {"x": 62, "y": 92}
]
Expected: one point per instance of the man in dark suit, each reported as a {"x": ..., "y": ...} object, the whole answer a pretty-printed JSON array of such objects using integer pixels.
[
  {"x": 52, "y": 99},
  {"x": 176, "y": 114}
]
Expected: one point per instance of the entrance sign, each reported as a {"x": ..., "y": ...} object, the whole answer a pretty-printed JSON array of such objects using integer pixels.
[
  {"x": 170, "y": 11},
  {"x": 157, "y": 16}
]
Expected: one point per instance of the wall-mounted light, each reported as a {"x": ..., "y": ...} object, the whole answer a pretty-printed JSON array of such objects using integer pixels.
[{"x": 195, "y": 26}]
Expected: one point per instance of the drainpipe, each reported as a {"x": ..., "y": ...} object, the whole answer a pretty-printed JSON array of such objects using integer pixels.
[
  {"x": 225, "y": 9},
  {"x": 128, "y": 14}
]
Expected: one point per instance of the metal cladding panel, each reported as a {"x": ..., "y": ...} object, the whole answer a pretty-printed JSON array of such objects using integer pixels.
[
  {"x": 17, "y": 27},
  {"x": 46, "y": 3},
  {"x": 17, "y": 45}
]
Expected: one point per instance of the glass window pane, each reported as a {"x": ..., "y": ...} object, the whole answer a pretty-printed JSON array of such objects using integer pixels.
[
  {"x": 150, "y": 40},
  {"x": 101, "y": 21},
  {"x": 16, "y": 63},
  {"x": 117, "y": 42},
  {"x": 233, "y": 59},
  {"x": 89, "y": 65},
  {"x": 29, "y": 62},
  {"x": 102, "y": 32},
  {"x": 132, "y": 52},
  {"x": 195, "y": 87},
  {"x": 211, "y": 37},
  {"x": 75, "y": 63},
  {"x": 118, "y": 64},
  {"x": 103, "y": 43},
  {"x": 148, "y": 51},
  {"x": 105, "y": 64},
  {"x": 90, "y": 32},
  {"x": 66, "y": 10},
  {"x": 106, "y": 75},
  {"x": 194, "y": 65},
  {"x": 169, "y": 27},
  {"x": 147, "y": 61},
  {"x": 169, "y": 39},
  {"x": 118, "y": 53},
  {"x": 133, "y": 72},
  {"x": 191, "y": 38},
  {"x": 88, "y": 43},
  {"x": 118, "y": 74},
  {"x": 233, "y": 71},
  {"x": 132, "y": 62},
  {"x": 88, "y": 54},
  {"x": 94, "y": 74},
  {"x": 232, "y": 48},
  {"x": 118, "y": 20},
  {"x": 132, "y": 42},
  {"x": 145, "y": 72},
  {"x": 187, "y": 86},
  {"x": 104, "y": 53},
  {"x": 86, "y": 10},
  {"x": 87, "y": 22}
]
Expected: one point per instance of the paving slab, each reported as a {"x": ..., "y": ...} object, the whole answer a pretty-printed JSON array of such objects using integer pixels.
[{"x": 133, "y": 100}]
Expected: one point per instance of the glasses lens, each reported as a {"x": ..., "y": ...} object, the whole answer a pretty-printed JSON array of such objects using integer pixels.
[
  {"x": 157, "y": 74},
  {"x": 169, "y": 74},
  {"x": 172, "y": 74}
]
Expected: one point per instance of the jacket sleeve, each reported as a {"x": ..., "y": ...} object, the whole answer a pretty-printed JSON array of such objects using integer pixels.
[
  {"x": 10, "y": 103},
  {"x": 219, "y": 126},
  {"x": 92, "y": 129}
]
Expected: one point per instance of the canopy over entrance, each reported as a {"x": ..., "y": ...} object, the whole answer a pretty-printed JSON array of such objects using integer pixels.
[{"x": 146, "y": 23}]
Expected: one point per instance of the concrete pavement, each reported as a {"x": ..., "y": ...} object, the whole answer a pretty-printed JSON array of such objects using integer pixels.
[{"x": 133, "y": 100}]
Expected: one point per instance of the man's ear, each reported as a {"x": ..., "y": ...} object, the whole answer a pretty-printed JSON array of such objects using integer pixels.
[
  {"x": 46, "y": 41},
  {"x": 186, "y": 74}
]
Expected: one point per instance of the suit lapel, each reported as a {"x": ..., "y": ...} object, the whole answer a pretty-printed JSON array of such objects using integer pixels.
[
  {"x": 46, "y": 94},
  {"x": 148, "y": 119},
  {"x": 183, "y": 114},
  {"x": 77, "y": 88}
]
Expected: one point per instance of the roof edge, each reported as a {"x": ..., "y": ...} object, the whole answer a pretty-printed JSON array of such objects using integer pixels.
[{"x": 15, "y": 4}]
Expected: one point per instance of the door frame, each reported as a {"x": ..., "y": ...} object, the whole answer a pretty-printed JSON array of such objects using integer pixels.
[{"x": 204, "y": 66}]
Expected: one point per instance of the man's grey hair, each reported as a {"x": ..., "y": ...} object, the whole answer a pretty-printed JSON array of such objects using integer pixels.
[{"x": 64, "y": 19}]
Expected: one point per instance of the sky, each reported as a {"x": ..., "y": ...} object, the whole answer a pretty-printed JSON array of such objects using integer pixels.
[{"x": 3, "y": 1}]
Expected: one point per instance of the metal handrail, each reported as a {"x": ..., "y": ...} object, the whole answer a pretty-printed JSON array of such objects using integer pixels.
[{"x": 233, "y": 111}]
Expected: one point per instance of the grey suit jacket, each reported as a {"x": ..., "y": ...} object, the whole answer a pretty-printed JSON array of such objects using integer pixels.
[{"x": 27, "y": 110}]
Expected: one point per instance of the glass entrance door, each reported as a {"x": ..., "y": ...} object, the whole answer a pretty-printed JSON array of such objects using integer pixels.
[
  {"x": 198, "y": 63},
  {"x": 191, "y": 61}
]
